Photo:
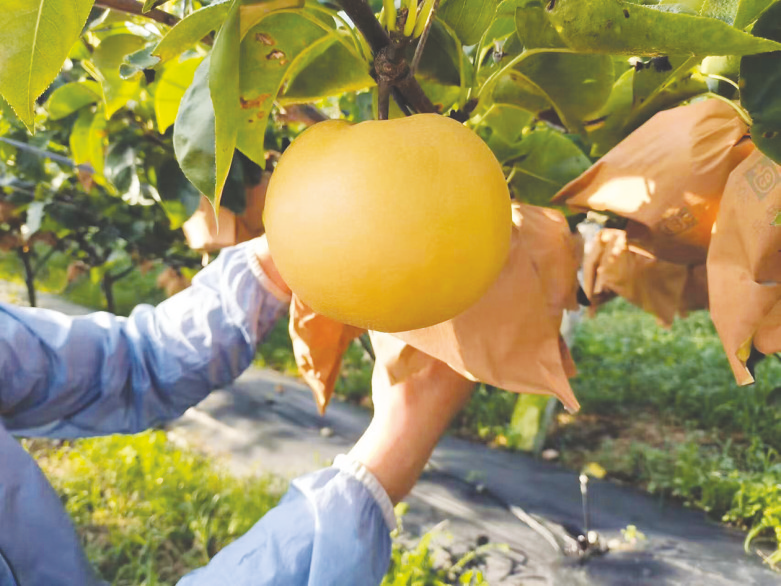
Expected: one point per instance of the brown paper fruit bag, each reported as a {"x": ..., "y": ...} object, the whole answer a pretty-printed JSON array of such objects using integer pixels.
[
  {"x": 201, "y": 229},
  {"x": 616, "y": 267},
  {"x": 202, "y": 232},
  {"x": 667, "y": 178},
  {"x": 744, "y": 264},
  {"x": 509, "y": 338},
  {"x": 318, "y": 345}
]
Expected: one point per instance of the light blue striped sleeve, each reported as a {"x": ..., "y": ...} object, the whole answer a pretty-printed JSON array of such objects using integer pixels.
[
  {"x": 332, "y": 528},
  {"x": 66, "y": 376}
]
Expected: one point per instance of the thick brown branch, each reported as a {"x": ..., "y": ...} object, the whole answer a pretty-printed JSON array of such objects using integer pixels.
[
  {"x": 363, "y": 17},
  {"x": 415, "y": 96},
  {"x": 134, "y": 7}
]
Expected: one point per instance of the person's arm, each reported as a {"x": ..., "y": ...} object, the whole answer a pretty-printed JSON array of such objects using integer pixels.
[
  {"x": 332, "y": 527},
  {"x": 75, "y": 376}
]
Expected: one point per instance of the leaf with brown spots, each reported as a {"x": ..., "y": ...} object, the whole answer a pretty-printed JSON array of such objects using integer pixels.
[
  {"x": 278, "y": 55},
  {"x": 224, "y": 90},
  {"x": 264, "y": 71},
  {"x": 265, "y": 39}
]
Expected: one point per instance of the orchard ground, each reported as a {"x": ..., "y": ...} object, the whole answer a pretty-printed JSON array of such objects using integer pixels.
[{"x": 660, "y": 411}]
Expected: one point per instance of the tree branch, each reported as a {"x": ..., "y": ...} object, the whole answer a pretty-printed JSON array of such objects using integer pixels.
[
  {"x": 123, "y": 274},
  {"x": 415, "y": 96},
  {"x": 363, "y": 18},
  {"x": 29, "y": 275},
  {"x": 134, "y": 7}
]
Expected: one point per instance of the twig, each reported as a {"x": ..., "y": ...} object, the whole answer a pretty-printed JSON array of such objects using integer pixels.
[
  {"x": 29, "y": 275},
  {"x": 383, "y": 99},
  {"x": 43, "y": 260},
  {"x": 423, "y": 38},
  {"x": 133, "y": 7},
  {"x": 122, "y": 274}
]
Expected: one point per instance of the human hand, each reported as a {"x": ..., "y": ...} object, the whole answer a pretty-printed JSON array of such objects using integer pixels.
[{"x": 409, "y": 418}]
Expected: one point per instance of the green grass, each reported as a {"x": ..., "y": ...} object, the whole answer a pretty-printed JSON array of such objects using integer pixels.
[
  {"x": 149, "y": 512},
  {"x": 627, "y": 363},
  {"x": 737, "y": 484},
  {"x": 682, "y": 427},
  {"x": 420, "y": 564}
]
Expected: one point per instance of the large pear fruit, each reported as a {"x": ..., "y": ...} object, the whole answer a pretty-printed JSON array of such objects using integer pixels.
[{"x": 389, "y": 225}]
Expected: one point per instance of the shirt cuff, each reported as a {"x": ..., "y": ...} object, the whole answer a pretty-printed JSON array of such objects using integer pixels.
[
  {"x": 361, "y": 473},
  {"x": 260, "y": 274}
]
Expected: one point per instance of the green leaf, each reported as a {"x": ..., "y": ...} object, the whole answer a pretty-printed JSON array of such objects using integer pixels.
[
  {"x": 442, "y": 96},
  {"x": 545, "y": 161},
  {"x": 104, "y": 66},
  {"x": 749, "y": 11},
  {"x": 515, "y": 89},
  {"x": 69, "y": 98},
  {"x": 575, "y": 85},
  {"x": 120, "y": 168},
  {"x": 506, "y": 122},
  {"x": 174, "y": 81},
  {"x": 761, "y": 87},
  {"x": 617, "y": 27},
  {"x": 191, "y": 30},
  {"x": 606, "y": 128},
  {"x": 79, "y": 52},
  {"x": 268, "y": 53},
  {"x": 468, "y": 18},
  {"x": 88, "y": 139},
  {"x": 178, "y": 196},
  {"x": 194, "y": 133},
  {"x": 253, "y": 11},
  {"x": 537, "y": 72},
  {"x": 224, "y": 86},
  {"x": 336, "y": 70},
  {"x": 194, "y": 142},
  {"x": 33, "y": 219},
  {"x": 36, "y": 39},
  {"x": 135, "y": 63},
  {"x": 503, "y": 24},
  {"x": 654, "y": 91},
  {"x": 440, "y": 58},
  {"x": 6, "y": 119},
  {"x": 534, "y": 28},
  {"x": 722, "y": 9}
]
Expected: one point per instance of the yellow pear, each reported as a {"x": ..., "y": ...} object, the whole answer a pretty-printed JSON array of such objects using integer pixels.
[{"x": 389, "y": 225}]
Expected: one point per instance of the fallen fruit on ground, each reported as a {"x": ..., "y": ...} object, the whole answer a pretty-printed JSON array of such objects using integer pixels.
[{"x": 389, "y": 225}]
